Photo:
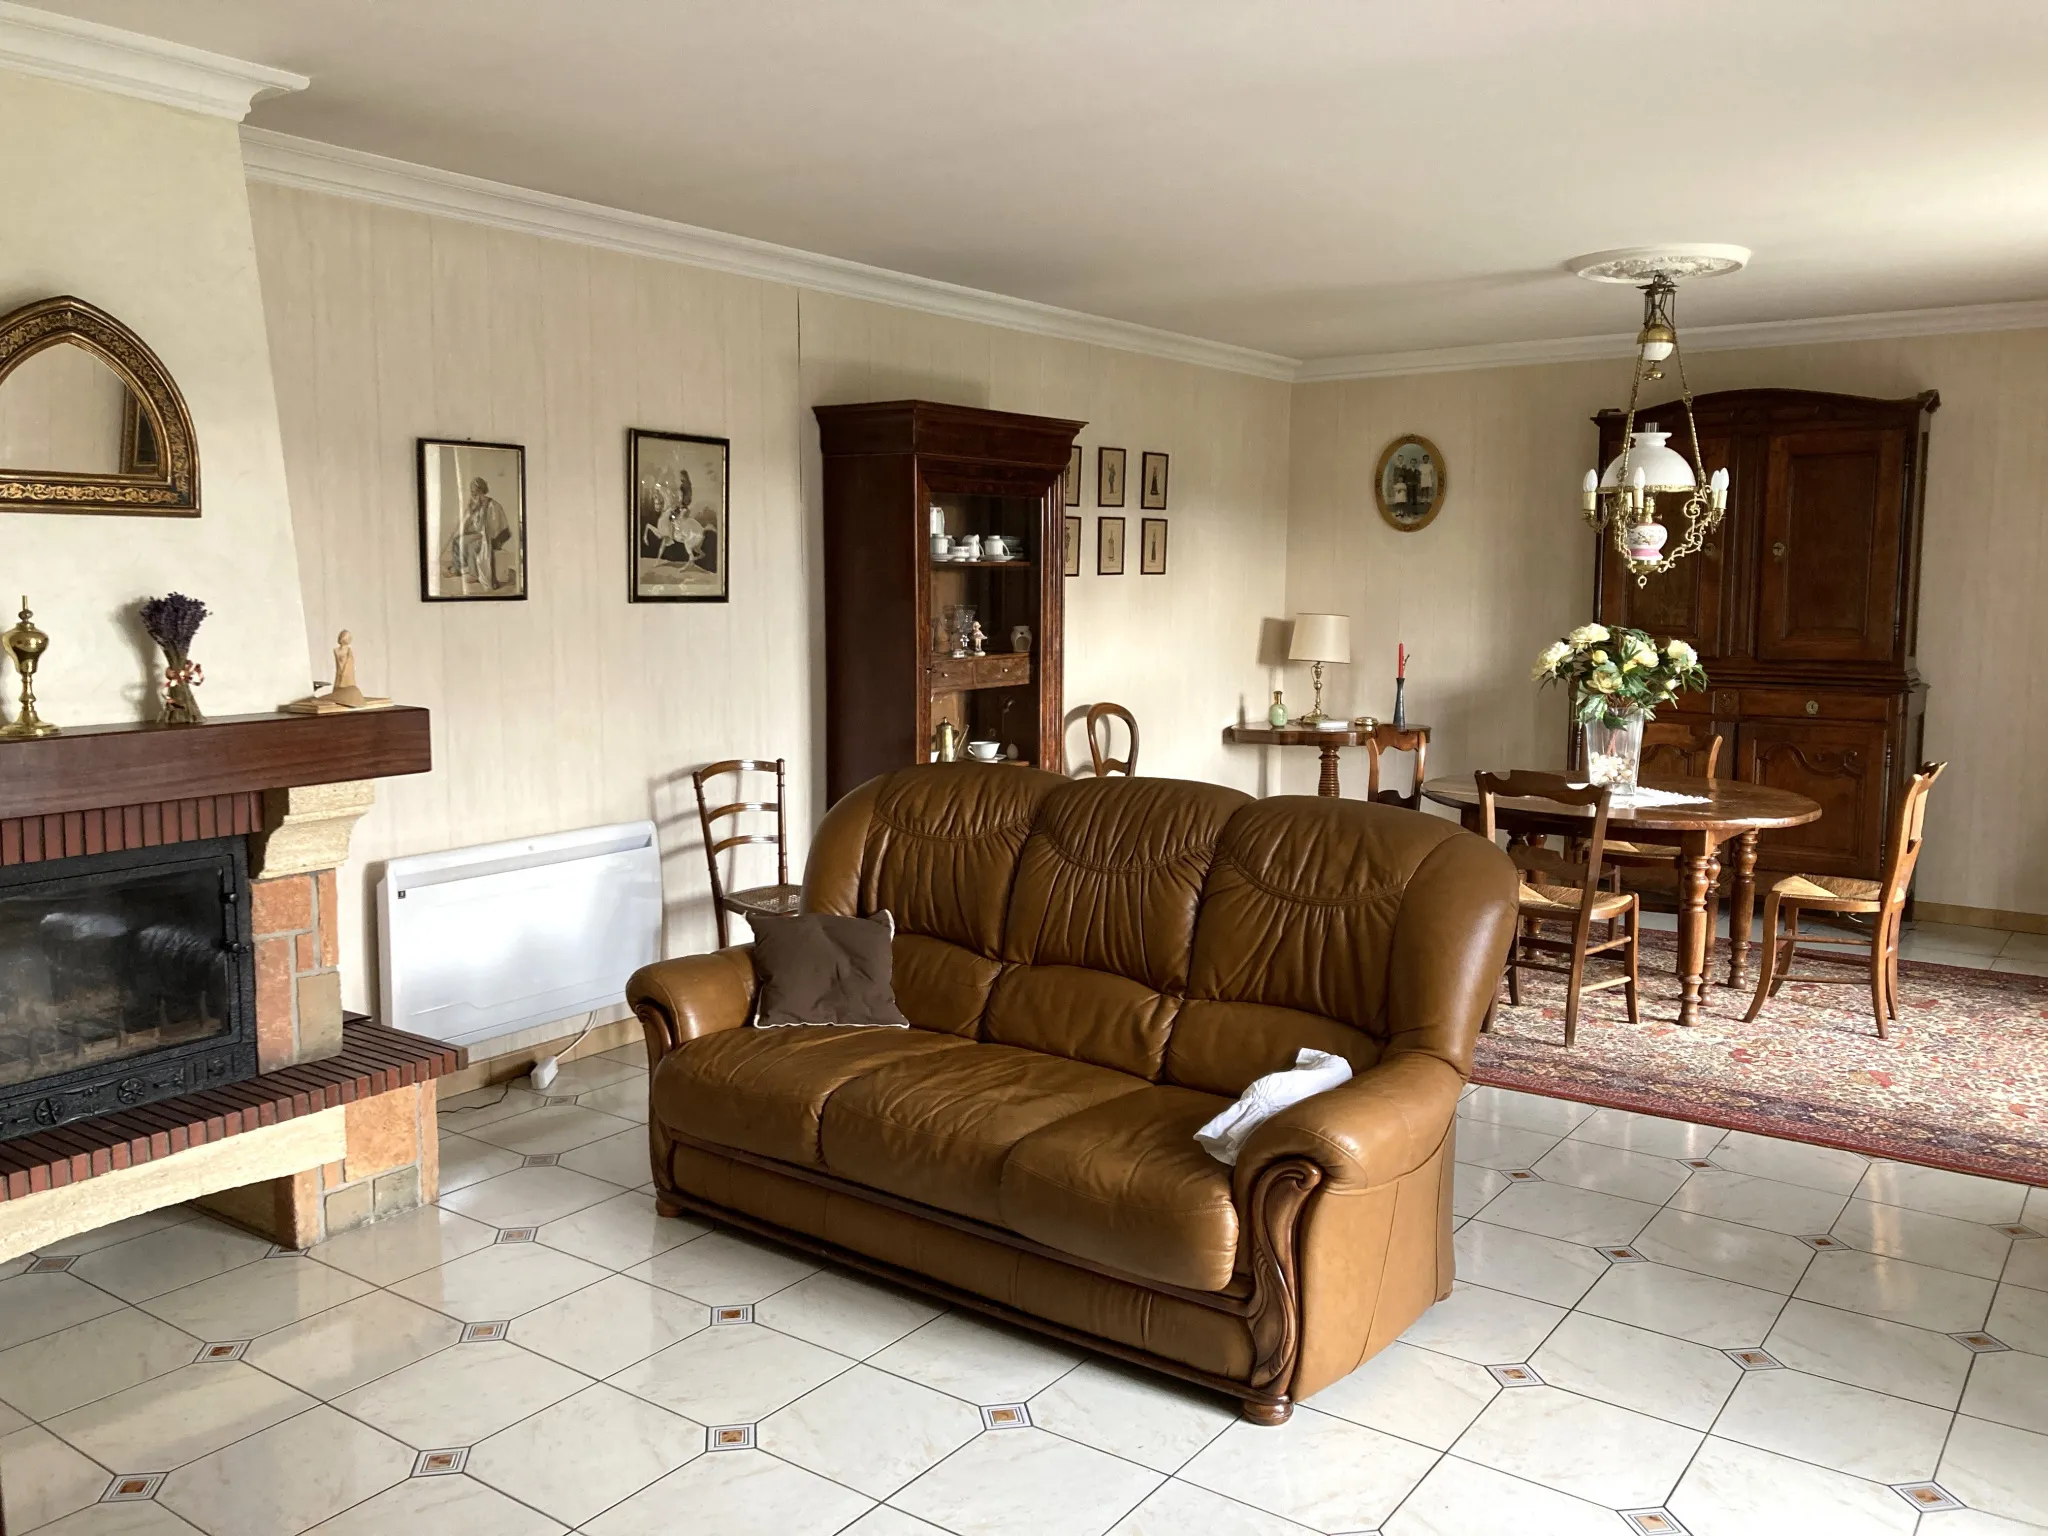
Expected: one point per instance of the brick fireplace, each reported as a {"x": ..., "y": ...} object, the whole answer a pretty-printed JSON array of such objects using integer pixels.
[{"x": 304, "y": 1124}]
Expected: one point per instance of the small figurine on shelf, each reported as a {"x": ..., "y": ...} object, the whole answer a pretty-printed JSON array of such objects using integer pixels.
[
  {"x": 343, "y": 695},
  {"x": 25, "y": 644},
  {"x": 172, "y": 622},
  {"x": 975, "y": 637},
  {"x": 1277, "y": 715}
]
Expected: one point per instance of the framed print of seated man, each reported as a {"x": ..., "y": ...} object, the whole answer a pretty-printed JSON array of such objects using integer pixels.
[{"x": 679, "y": 518}]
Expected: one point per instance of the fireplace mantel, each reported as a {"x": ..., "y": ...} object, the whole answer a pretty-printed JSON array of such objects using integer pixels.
[{"x": 96, "y": 767}]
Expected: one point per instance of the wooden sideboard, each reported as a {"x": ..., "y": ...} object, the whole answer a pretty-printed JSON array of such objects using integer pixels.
[{"x": 1804, "y": 605}]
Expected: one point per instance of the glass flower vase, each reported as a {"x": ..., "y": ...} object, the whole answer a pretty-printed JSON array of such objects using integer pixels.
[{"x": 1614, "y": 749}]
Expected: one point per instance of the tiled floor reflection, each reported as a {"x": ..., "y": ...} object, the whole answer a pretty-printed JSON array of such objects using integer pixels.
[{"x": 1658, "y": 1328}]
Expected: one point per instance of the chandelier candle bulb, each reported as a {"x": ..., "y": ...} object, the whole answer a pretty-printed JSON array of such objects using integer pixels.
[{"x": 1589, "y": 494}]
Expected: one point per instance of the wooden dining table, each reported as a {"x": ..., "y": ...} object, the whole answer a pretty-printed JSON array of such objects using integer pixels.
[{"x": 1729, "y": 812}]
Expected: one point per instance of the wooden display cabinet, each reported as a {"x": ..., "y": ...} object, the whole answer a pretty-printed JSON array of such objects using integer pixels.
[
  {"x": 890, "y": 675},
  {"x": 1803, "y": 605}
]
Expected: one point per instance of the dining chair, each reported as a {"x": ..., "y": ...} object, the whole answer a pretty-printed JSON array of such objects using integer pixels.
[
  {"x": 1100, "y": 743},
  {"x": 1675, "y": 749},
  {"x": 778, "y": 900},
  {"x": 1544, "y": 898},
  {"x": 1386, "y": 739},
  {"x": 1844, "y": 900}
]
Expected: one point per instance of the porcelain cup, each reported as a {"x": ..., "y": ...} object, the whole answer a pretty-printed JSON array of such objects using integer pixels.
[
  {"x": 983, "y": 751},
  {"x": 942, "y": 546}
]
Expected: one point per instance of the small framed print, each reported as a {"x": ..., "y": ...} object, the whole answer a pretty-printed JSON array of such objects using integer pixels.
[
  {"x": 1070, "y": 482},
  {"x": 1152, "y": 547},
  {"x": 1152, "y": 482},
  {"x": 472, "y": 521},
  {"x": 1109, "y": 477},
  {"x": 1109, "y": 546},
  {"x": 1073, "y": 546},
  {"x": 1410, "y": 483},
  {"x": 677, "y": 520}
]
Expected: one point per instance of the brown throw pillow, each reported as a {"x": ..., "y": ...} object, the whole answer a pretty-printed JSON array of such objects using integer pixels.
[{"x": 820, "y": 969}]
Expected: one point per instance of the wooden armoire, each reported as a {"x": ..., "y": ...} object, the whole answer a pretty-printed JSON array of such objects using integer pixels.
[
  {"x": 1803, "y": 605},
  {"x": 891, "y": 469}
]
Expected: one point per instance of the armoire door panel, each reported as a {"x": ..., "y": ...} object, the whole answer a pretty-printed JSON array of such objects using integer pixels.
[
  {"x": 1838, "y": 765},
  {"x": 1683, "y": 603},
  {"x": 1828, "y": 587}
]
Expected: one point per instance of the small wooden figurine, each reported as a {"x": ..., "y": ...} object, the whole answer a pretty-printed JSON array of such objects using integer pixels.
[{"x": 342, "y": 694}]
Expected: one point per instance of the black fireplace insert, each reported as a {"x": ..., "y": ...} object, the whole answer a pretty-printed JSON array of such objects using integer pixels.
[{"x": 124, "y": 978}]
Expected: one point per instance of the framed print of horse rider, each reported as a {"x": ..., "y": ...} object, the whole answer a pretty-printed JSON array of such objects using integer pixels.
[
  {"x": 677, "y": 519},
  {"x": 472, "y": 521}
]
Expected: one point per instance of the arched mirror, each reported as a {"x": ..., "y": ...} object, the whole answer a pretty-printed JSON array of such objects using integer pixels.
[{"x": 90, "y": 421}]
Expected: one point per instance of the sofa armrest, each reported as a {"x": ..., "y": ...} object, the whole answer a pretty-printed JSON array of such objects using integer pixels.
[
  {"x": 678, "y": 1000},
  {"x": 1371, "y": 1131}
]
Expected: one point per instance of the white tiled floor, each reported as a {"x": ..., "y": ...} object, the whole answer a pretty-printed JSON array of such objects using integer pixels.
[{"x": 1713, "y": 1370}]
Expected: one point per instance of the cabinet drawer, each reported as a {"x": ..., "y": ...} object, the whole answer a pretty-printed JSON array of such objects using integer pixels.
[
  {"x": 1813, "y": 704},
  {"x": 951, "y": 674}
]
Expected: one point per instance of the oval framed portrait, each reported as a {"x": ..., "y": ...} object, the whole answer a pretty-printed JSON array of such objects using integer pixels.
[{"x": 1410, "y": 483}]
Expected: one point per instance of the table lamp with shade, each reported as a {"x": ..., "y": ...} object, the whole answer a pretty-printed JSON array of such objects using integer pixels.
[{"x": 1319, "y": 638}]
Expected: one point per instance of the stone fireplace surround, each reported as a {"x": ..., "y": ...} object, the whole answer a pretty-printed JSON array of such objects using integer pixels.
[{"x": 304, "y": 1151}]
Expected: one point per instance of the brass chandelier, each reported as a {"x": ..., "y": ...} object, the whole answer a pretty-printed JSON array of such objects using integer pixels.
[{"x": 1623, "y": 498}]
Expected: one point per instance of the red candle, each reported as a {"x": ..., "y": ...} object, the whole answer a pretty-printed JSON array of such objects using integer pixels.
[{"x": 1401, "y": 660}]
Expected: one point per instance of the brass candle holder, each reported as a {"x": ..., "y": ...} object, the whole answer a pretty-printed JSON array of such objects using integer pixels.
[{"x": 26, "y": 644}]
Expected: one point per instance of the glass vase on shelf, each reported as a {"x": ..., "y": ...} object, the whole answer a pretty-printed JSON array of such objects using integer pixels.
[{"x": 1614, "y": 748}]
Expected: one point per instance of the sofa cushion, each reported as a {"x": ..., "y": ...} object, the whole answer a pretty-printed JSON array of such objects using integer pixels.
[
  {"x": 940, "y": 985},
  {"x": 1093, "y": 1016},
  {"x": 1125, "y": 1184},
  {"x": 819, "y": 968},
  {"x": 762, "y": 1090},
  {"x": 1224, "y": 1047},
  {"x": 937, "y": 1129}
]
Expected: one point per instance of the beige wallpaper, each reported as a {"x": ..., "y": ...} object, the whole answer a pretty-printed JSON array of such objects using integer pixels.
[
  {"x": 143, "y": 210},
  {"x": 576, "y": 707},
  {"x": 1507, "y": 565}
]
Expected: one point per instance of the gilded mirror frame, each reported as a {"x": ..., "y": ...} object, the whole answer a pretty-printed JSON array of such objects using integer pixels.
[{"x": 171, "y": 488}]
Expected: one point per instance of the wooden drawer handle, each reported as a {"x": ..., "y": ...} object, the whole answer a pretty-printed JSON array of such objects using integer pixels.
[{"x": 1778, "y": 550}]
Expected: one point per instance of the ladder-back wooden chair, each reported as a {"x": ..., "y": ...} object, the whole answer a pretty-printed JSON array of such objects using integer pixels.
[
  {"x": 1386, "y": 739},
  {"x": 1871, "y": 910},
  {"x": 778, "y": 900},
  {"x": 1547, "y": 898},
  {"x": 1671, "y": 749},
  {"x": 1100, "y": 742}
]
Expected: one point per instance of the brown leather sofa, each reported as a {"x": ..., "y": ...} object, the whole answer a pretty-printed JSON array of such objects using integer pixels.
[{"x": 1092, "y": 970}]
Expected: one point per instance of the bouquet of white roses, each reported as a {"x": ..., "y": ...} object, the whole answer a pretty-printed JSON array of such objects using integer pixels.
[{"x": 1614, "y": 673}]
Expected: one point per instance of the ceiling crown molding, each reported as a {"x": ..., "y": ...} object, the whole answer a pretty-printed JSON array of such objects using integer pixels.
[
  {"x": 284, "y": 160},
  {"x": 2026, "y": 315},
  {"x": 129, "y": 64}
]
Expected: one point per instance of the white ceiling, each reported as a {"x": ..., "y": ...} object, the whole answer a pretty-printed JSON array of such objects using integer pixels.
[{"x": 1314, "y": 178}]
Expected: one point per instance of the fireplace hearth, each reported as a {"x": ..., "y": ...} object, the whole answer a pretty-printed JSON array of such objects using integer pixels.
[{"x": 124, "y": 978}]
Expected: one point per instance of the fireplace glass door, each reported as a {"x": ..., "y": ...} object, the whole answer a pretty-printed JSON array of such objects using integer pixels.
[{"x": 123, "y": 978}]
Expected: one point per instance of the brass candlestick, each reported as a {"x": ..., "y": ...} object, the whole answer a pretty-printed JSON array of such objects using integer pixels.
[{"x": 26, "y": 644}]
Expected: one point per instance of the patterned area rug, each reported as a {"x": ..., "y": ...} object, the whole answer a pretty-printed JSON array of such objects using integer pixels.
[{"x": 1961, "y": 1084}]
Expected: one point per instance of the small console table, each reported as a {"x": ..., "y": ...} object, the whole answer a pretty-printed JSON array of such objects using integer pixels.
[{"x": 1414, "y": 738}]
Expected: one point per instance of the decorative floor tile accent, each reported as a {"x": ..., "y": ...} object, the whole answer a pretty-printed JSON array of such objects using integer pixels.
[
  {"x": 2016, "y": 1231},
  {"x": 517, "y": 1234},
  {"x": 543, "y": 1160},
  {"x": 442, "y": 1463},
  {"x": 484, "y": 1333},
  {"x": 52, "y": 1264},
  {"x": 1927, "y": 1496},
  {"x": 1523, "y": 1175},
  {"x": 1755, "y": 1359},
  {"x": 726, "y": 1317},
  {"x": 133, "y": 1487},
  {"x": 1005, "y": 1416},
  {"x": 226, "y": 1349},
  {"x": 1653, "y": 1522},
  {"x": 1515, "y": 1375},
  {"x": 1981, "y": 1343},
  {"x": 560, "y": 1098},
  {"x": 1623, "y": 1255},
  {"x": 1696, "y": 1162},
  {"x": 730, "y": 1437},
  {"x": 1820, "y": 1242}
]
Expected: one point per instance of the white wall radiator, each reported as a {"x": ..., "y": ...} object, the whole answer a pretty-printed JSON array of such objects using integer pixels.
[{"x": 477, "y": 943}]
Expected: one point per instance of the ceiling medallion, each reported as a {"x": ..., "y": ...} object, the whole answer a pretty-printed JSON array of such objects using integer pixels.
[{"x": 1623, "y": 496}]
